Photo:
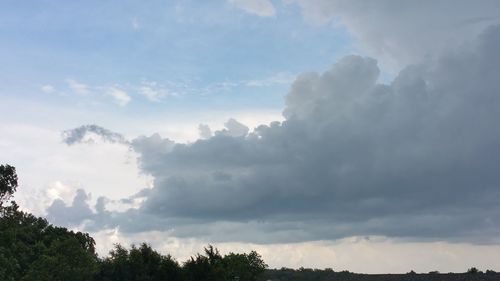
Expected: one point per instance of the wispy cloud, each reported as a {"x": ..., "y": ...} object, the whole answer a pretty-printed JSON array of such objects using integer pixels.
[
  {"x": 263, "y": 8},
  {"x": 77, "y": 87},
  {"x": 120, "y": 96},
  {"x": 152, "y": 91},
  {"x": 279, "y": 78},
  {"x": 48, "y": 89},
  {"x": 82, "y": 135}
]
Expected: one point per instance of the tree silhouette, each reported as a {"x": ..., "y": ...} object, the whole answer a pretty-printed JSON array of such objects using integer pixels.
[
  {"x": 472, "y": 270},
  {"x": 139, "y": 264},
  {"x": 8, "y": 182}
]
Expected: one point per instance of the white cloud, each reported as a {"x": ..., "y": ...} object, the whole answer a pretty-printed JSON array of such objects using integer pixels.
[
  {"x": 120, "y": 96},
  {"x": 263, "y": 8},
  {"x": 48, "y": 89},
  {"x": 77, "y": 87},
  {"x": 60, "y": 190},
  {"x": 152, "y": 91},
  {"x": 48, "y": 169}
]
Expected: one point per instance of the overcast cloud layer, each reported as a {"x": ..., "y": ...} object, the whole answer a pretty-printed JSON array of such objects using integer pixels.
[{"x": 414, "y": 159}]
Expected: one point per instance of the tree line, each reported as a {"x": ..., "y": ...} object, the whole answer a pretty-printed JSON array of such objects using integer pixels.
[{"x": 31, "y": 249}]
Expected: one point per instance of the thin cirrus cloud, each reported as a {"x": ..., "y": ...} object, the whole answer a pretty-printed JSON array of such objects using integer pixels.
[
  {"x": 152, "y": 91},
  {"x": 155, "y": 92},
  {"x": 263, "y": 8},
  {"x": 416, "y": 158},
  {"x": 48, "y": 89},
  {"x": 118, "y": 94},
  {"x": 77, "y": 87}
]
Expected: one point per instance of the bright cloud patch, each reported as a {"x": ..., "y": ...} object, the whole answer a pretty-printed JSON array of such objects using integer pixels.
[
  {"x": 263, "y": 8},
  {"x": 48, "y": 89},
  {"x": 120, "y": 96},
  {"x": 77, "y": 87},
  {"x": 152, "y": 91}
]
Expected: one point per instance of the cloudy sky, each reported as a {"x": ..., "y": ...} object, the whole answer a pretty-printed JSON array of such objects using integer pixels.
[{"x": 356, "y": 135}]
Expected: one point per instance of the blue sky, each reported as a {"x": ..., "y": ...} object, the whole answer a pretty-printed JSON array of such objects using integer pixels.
[{"x": 201, "y": 55}]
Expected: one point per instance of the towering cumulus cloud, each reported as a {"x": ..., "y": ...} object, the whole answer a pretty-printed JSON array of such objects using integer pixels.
[{"x": 416, "y": 158}]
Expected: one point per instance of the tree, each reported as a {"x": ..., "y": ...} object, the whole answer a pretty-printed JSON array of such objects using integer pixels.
[
  {"x": 138, "y": 264},
  {"x": 472, "y": 270},
  {"x": 215, "y": 267},
  {"x": 8, "y": 182},
  {"x": 32, "y": 249},
  {"x": 65, "y": 259},
  {"x": 244, "y": 267}
]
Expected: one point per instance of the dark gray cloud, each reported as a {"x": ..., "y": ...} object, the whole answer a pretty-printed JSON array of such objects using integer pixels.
[
  {"x": 81, "y": 133},
  {"x": 75, "y": 214},
  {"x": 417, "y": 158},
  {"x": 204, "y": 131},
  {"x": 233, "y": 128}
]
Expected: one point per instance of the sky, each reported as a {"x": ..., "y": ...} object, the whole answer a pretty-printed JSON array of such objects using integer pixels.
[{"x": 354, "y": 135}]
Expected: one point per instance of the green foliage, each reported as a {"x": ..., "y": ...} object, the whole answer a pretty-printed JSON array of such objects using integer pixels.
[
  {"x": 32, "y": 249},
  {"x": 305, "y": 274},
  {"x": 244, "y": 267},
  {"x": 65, "y": 259},
  {"x": 139, "y": 264},
  {"x": 144, "y": 264},
  {"x": 209, "y": 266},
  {"x": 214, "y": 266}
]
